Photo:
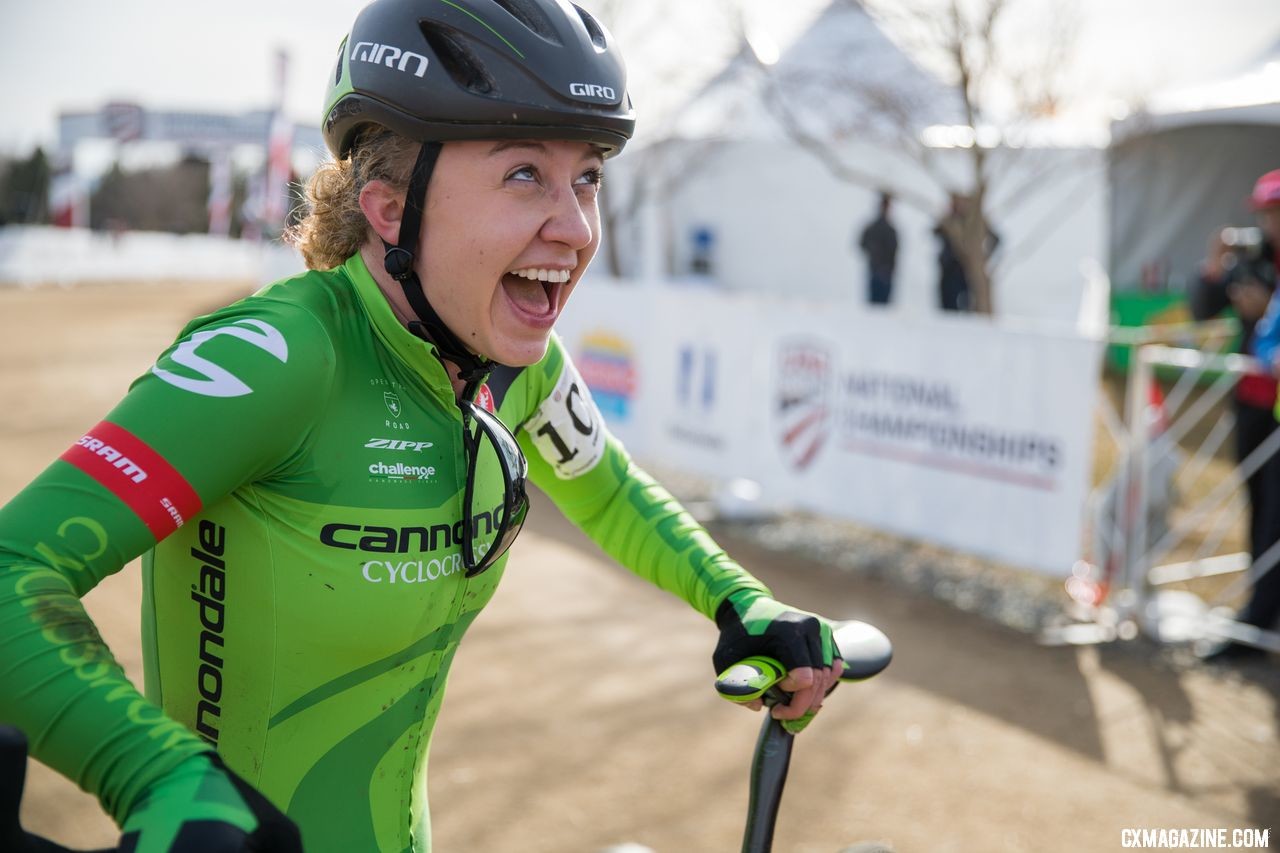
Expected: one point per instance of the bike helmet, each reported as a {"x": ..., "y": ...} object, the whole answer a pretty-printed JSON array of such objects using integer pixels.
[{"x": 441, "y": 70}]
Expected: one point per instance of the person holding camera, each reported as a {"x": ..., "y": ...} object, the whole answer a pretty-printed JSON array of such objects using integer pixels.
[{"x": 1240, "y": 271}]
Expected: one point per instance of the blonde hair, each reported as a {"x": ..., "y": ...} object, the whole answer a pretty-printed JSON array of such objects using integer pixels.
[{"x": 334, "y": 227}]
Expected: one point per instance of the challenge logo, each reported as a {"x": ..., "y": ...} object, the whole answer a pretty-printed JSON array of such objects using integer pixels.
[
  {"x": 608, "y": 366},
  {"x": 399, "y": 471},
  {"x": 802, "y": 407}
]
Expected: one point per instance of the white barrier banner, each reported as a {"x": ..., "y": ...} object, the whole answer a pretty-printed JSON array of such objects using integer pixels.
[{"x": 954, "y": 430}]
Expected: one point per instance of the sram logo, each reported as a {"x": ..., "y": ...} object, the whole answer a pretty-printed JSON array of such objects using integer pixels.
[
  {"x": 385, "y": 54},
  {"x": 397, "y": 444},
  {"x": 212, "y": 380},
  {"x": 592, "y": 90}
]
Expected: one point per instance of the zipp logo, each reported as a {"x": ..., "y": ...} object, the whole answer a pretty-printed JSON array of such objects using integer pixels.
[
  {"x": 592, "y": 90},
  {"x": 215, "y": 381},
  {"x": 385, "y": 54},
  {"x": 396, "y": 444}
]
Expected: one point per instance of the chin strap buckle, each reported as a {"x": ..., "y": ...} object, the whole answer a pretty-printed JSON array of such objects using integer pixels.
[{"x": 398, "y": 262}]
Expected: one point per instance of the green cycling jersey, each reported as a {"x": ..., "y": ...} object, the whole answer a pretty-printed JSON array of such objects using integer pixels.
[{"x": 292, "y": 468}]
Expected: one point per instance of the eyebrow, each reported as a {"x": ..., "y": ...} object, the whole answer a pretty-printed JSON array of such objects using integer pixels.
[{"x": 592, "y": 153}]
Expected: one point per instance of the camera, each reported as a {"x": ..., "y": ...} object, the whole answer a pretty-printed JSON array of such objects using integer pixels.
[{"x": 1244, "y": 258}]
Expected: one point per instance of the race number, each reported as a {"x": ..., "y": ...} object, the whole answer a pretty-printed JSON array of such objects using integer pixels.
[{"x": 567, "y": 428}]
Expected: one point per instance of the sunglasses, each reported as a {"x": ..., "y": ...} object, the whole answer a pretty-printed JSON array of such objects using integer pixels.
[{"x": 489, "y": 530}]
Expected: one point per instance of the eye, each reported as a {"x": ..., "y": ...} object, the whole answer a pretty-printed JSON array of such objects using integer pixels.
[
  {"x": 591, "y": 178},
  {"x": 523, "y": 173}
]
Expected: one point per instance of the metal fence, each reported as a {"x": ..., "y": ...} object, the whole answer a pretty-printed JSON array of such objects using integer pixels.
[{"x": 1166, "y": 495}]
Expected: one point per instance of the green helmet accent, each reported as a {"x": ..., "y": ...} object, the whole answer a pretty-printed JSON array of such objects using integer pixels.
[{"x": 441, "y": 70}]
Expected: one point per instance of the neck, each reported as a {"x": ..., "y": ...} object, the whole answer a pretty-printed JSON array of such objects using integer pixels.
[{"x": 394, "y": 295}]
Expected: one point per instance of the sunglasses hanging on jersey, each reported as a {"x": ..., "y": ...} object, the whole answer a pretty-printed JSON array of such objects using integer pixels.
[{"x": 489, "y": 531}]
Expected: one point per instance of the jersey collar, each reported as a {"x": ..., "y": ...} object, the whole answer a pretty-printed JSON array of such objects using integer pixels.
[{"x": 418, "y": 354}]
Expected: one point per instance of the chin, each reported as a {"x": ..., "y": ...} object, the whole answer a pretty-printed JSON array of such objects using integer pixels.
[{"x": 520, "y": 353}]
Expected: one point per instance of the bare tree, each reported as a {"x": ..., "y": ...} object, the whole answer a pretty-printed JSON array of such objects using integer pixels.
[
  {"x": 658, "y": 161},
  {"x": 1000, "y": 74}
]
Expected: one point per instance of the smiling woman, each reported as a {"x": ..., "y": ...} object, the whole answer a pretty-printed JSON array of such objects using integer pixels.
[{"x": 324, "y": 476}]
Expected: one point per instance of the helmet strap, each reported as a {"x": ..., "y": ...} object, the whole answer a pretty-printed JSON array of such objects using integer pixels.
[{"x": 398, "y": 262}]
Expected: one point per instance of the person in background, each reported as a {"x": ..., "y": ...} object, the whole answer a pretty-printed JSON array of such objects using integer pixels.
[
  {"x": 953, "y": 281},
  {"x": 1240, "y": 272},
  {"x": 879, "y": 242}
]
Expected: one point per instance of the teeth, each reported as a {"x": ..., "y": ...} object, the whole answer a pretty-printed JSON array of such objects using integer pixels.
[{"x": 560, "y": 276}]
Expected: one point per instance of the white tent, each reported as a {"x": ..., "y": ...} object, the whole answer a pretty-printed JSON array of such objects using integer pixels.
[
  {"x": 1184, "y": 166},
  {"x": 776, "y": 217}
]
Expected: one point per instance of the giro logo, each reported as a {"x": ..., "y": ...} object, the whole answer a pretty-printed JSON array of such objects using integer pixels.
[
  {"x": 392, "y": 57},
  {"x": 592, "y": 90},
  {"x": 213, "y": 380}
]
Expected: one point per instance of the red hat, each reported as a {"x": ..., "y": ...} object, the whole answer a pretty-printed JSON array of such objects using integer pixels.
[{"x": 1266, "y": 192}]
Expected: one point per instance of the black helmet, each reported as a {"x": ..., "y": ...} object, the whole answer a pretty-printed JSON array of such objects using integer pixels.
[{"x": 440, "y": 70}]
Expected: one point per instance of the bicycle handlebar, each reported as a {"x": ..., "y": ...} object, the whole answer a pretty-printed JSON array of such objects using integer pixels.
[{"x": 864, "y": 649}]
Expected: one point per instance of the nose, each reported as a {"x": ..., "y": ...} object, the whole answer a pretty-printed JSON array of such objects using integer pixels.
[{"x": 572, "y": 220}]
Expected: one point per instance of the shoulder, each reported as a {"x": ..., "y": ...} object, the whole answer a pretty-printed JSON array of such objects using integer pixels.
[{"x": 284, "y": 333}]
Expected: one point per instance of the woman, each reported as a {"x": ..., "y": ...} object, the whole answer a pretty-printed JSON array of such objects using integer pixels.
[{"x": 320, "y": 474}]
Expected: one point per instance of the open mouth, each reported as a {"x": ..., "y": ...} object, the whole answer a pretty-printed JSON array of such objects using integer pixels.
[{"x": 536, "y": 292}]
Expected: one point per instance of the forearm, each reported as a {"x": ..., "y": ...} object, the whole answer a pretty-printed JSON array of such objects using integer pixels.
[
  {"x": 60, "y": 683},
  {"x": 638, "y": 523}
]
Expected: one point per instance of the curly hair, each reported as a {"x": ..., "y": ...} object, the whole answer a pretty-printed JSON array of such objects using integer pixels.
[{"x": 334, "y": 227}]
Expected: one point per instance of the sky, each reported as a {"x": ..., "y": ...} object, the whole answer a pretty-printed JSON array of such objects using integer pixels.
[{"x": 66, "y": 55}]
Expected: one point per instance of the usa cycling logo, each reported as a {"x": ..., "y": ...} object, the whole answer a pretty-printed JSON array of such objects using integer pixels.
[
  {"x": 802, "y": 400},
  {"x": 212, "y": 380}
]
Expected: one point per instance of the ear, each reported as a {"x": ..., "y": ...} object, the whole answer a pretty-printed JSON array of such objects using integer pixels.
[{"x": 383, "y": 206}]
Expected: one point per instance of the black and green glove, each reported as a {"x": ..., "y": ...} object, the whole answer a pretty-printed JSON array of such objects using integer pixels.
[
  {"x": 205, "y": 808},
  {"x": 752, "y": 623}
]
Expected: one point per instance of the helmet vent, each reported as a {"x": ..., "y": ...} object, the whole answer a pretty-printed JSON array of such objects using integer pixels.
[
  {"x": 459, "y": 60},
  {"x": 593, "y": 27},
  {"x": 529, "y": 14},
  {"x": 342, "y": 55}
]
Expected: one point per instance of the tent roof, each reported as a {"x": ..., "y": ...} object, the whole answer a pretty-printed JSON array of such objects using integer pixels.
[
  {"x": 842, "y": 68},
  {"x": 1250, "y": 96}
]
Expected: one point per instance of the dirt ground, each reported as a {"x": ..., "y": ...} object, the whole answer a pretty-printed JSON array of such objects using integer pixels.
[{"x": 580, "y": 712}]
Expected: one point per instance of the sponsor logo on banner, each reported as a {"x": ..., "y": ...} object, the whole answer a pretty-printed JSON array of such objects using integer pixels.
[
  {"x": 802, "y": 400},
  {"x": 607, "y": 364},
  {"x": 921, "y": 421},
  {"x": 695, "y": 388}
]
